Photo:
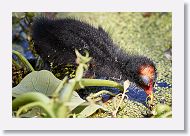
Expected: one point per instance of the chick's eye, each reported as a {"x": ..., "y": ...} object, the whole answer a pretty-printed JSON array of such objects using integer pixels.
[{"x": 145, "y": 80}]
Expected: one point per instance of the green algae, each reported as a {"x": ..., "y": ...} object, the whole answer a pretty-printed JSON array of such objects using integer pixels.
[
  {"x": 127, "y": 109},
  {"x": 149, "y": 35}
]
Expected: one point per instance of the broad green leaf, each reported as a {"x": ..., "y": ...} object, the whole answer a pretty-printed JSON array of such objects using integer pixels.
[
  {"x": 75, "y": 101},
  {"x": 38, "y": 81},
  {"x": 89, "y": 110},
  {"x": 33, "y": 113}
]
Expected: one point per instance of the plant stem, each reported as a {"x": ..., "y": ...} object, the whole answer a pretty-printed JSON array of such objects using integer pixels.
[
  {"x": 94, "y": 96},
  {"x": 99, "y": 82},
  {"x": 60, "y": 86},
  {"x": 45, "y": 107},
  {"x": 16, "y": 65},
  {"x": 126, "y": 85},
  {"x": 68, "y": 90},
  {"x": 114, "y": 113},
  {"x": 23, "y": 59},
  {"x": 28, "y": 98},
  {"x": 65, "y": 96},
  {"x": 102, "y": 92}
]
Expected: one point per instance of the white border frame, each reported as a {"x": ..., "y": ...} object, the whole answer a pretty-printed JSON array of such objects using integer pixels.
[{"x": 174, "y": 123}]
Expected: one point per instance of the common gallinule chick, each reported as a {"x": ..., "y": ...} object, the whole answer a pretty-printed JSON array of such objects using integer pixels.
[{"x": 55, "y": 40}]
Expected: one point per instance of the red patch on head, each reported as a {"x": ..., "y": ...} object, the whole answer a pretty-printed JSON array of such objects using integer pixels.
[{"x": 149, "y": 71}]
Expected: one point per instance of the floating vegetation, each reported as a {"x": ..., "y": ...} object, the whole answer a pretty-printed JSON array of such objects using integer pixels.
[
  {"x": 127, "y": 109},
  {"x": 147, "y": 34}
]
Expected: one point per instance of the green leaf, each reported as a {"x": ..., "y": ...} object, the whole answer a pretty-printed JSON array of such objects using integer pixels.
[
  {"x": 19, "y": 14},
  {"x": 89, "y": 110},
  {"x": 161, "y": 108},
  {"x": 75, "y": 101},
  {"x": 38, "y": 81},
  {"x": 33, "y": 113},
  {"x": 162, "y": 111}
]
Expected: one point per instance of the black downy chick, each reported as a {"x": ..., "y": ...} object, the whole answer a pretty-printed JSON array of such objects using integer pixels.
[{"x": 55, "y": 40}]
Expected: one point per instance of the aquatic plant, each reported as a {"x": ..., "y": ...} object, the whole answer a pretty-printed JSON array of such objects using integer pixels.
[
  {"x": 150, "y": 35},
  {"x": 33, "y": 91},
  {"x": 58, "y": 98}
]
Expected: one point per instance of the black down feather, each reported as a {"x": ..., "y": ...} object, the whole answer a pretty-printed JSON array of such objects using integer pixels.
[{"x": 55, "y": 40}]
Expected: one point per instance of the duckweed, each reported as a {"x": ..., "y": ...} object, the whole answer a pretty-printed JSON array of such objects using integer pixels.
[{"x": 148, "y": 35}]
